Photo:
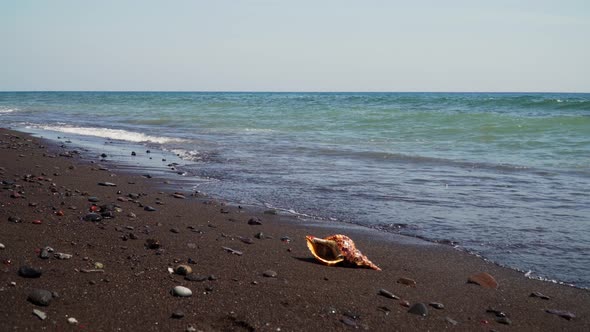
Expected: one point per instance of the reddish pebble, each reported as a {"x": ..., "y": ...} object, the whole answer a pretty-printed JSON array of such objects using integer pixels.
[
  {"x": 94, "y": 208},
  {"x": 59, "y": 213},
  {"x": 37, "y": 222},
  {"x": 484, "y": 322}
]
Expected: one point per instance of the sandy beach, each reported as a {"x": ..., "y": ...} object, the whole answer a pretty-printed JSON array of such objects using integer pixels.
[{"x": 246, "y": 276}]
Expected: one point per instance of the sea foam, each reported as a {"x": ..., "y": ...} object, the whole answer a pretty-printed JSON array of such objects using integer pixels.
[{"x": 117, "y": 134}]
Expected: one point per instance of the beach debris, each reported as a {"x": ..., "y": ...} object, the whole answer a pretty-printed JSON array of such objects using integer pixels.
[
  {"x": 181, "y": 291},
  {"x": 437, "y": 305},
  {"x": 270, "y": 274},
  {"x": 540, "y": 295},
  {"x": 72, "y": 321},
  {"x": 561, "y": 313},
  {"x": 39, "y": 314},
  {"x": 107, "y": 184},
  {"x": 387, "y": 294},
  {"x": 152, "y": 244},
  {"x": 407, "y": 281},
  {"x": 29, "y": 272},
  {"x": 337, "y": 249},
  {"x": 183, "y": 270},
  {"x": 483, "y": 279},
  {"x": 254, "y": 221},
  {"x": 233, "y": 251},
  {"x": 419, "y": 309},
  {"x": 40, "y": 297}
]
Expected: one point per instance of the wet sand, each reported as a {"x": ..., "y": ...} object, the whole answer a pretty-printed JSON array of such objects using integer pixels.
[{"x": 132, "y": 290}]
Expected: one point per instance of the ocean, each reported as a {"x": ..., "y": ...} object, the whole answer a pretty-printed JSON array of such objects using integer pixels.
[{"x": 502, "y": 175}]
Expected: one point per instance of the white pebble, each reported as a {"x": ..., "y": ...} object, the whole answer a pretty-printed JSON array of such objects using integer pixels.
[
  {"x": 2, "y": 246},
  {"x": 182, "y": 291},
  {"x": 39, "y": 314},
  {"x": 72, "y": 321}
]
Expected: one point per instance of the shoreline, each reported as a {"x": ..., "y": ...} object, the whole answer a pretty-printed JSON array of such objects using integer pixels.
[{"x": 133, "y": 291}]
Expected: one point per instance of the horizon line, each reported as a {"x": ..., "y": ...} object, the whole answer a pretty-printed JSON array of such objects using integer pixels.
[{"x": 285, "y": 91}]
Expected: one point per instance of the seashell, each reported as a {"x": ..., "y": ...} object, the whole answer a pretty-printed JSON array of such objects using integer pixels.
[{"x": 337, "y": 249}]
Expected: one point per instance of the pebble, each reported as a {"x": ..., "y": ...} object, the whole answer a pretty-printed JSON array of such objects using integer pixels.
[
  {"x": 133, "y": 153},
  {"x": 72, "y": 321},
  {"x": 504, "y": 320},
  {"x": 174, "y": 230},
  {"x": 177, "y": 314},
  {"x": 177, "y": 195},
  {"x": 540, "y": 295},
  {"x": 2, "y": 246},
  {"x": 254, "y": 221},
  {"x": 61, "y": 255},
  {"x": 190, "y": 329},
  {"x": 99, "y": 266},
  {"x": 14, "y": 219},
  {"x": 107, "y": 184},
  {"x": 40, "y": 297},
  {"x": 95, "y": 217},
  {"x": 181, "y": 291},
  {"x": 93, "y": 199},
  {"x": 44, "y": 254},
  {"x": 437, "y": 305},
  {"x": 483, "y": 279},
  {"x": 183, "y": 270},
  {"x": 259, "y": 235},
  {"x": 29, "y": 272},
  {"x": 39, "y": 314},
  {"x": 149, "y": 208},
  {"x": 450, "y": 321},
  {"x": 407, "y": 281},
  {"x": 270, "y": 274},
  {"x": 419, "y": 309},
  {"x": 152, "y": 244},
  {"x": 194, "y": 277},
  {"x": 561, "y": 313},
  {"x": 388, "y": 294}
]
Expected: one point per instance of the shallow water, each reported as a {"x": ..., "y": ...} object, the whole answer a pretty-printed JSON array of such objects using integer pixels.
[{"x": 503, "y": 175}]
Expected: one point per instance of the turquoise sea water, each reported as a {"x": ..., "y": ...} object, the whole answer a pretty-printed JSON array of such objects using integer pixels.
[{"x": 504, "y": 175}]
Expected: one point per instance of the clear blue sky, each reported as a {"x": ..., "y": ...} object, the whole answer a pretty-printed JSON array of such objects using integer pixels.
[{"x": 320, "y": 45}]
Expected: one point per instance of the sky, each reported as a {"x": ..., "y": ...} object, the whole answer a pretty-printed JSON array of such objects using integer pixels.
[{"x": 303, "y": 45}]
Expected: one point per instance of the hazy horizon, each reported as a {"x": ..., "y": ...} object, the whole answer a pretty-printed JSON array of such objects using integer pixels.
[{"x": 306, "y": 46}]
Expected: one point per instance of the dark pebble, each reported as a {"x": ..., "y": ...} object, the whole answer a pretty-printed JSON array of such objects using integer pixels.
[
  {"x": 174, "y": 230},
  {"x": 259, "y": 235},
  {"x": 29, "y": 272},
  {"x": 437, "y": 305},
  {"x": 540, "y": 295},
  {"x": 194, "y": 277},
  {"x": 388, "y": 294},
  {"x": 152, "y": 244},
  {"x": 92, "y": 217},
  {"x": 177, "y": 314},
  {"x": 133, "y": 196},
  {"x": 504, "y": 320},
  {"x": 93, "y": 199},
  {"x": 149, "y": 208},
  {"x": 419, "y": 309},
  {"x": 561, "y": 313},
  {"x": 40, "y": 297},
  {"x": 103, "y": 155},
  {"x": 254, "y": 221},
  {"x": 133, "y": 153},
  {"x": 349, "y": 322},
  {"x": 14, "y": 219},
  {"x": 270, "y": 274}
]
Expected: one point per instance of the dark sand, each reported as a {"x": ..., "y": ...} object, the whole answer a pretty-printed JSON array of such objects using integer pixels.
[{"x": 133, "y": 292}]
